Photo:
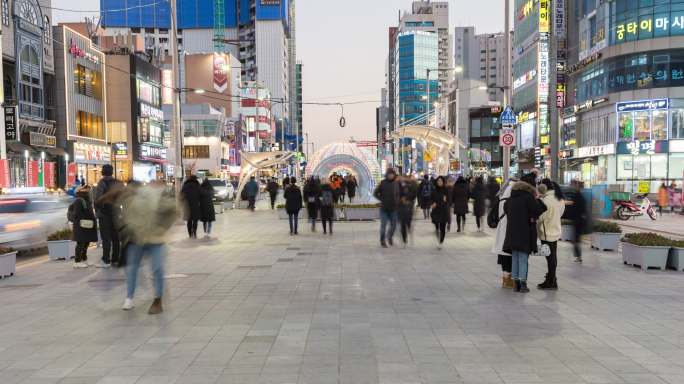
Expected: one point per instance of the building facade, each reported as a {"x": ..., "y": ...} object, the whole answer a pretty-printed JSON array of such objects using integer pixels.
[
  {"x": 206, "y": 148},
  {"x": 624, "y": 120},
  {"x": 483, "y": 58}
]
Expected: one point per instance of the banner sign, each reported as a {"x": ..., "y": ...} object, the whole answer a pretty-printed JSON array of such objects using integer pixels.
[
  {"x": 220, "y": 72},
  {"x": 49, "y": 174},
  {"x": 167, "y": 86},
  {"x": 32, "y": 169},
  {"x": 544, "y": 25},
  {"x": 71, "y": 174},
  {"x": 643, "y": 105},
  {"x": 4, "y": 173},
  {"x": 11, "y": 123}
]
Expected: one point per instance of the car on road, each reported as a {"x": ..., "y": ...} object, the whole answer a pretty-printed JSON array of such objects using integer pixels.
[
  {"x": 223, "y": 190},
  {"x": 26, "y": 221}
]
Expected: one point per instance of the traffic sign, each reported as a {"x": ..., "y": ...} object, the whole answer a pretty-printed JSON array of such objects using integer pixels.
[
  {"x": 508, "y": 117},
  {"x": 507, "y": 138}
]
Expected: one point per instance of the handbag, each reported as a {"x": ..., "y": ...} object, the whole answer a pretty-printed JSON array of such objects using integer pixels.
[
  {"x": 86, "y": 224},
  {"x": 543, "y": 250}
]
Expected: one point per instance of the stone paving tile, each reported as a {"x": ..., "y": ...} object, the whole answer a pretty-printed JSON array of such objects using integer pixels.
[{"x": 258, "y": 306}]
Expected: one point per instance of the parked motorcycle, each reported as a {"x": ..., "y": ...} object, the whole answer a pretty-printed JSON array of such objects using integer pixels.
[{"x": 627, "y": 209}]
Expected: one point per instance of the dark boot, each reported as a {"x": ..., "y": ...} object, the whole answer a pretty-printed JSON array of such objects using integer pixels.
[
  {"x": 523, "y": 287},
  {"x": 156, "y": 307},
  {"x": 553, "y": 284},
  {"x": 544, "y": 284},
  {"x": 517, "y": 285}
]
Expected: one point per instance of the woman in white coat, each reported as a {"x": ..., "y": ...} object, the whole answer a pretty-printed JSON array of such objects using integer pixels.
[
  {"x": 503, "y": 258},
  {"x": 549, "y": 228}
]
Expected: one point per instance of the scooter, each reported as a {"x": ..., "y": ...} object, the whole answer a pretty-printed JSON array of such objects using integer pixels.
[{"x": 626, "y": 208}]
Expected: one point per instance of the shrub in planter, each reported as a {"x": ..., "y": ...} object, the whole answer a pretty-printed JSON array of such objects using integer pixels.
[
  {"x": 676, "y": 258},
  {"x": 8, "y": 262},
  {"x": 605, "y": 235},
  {"x": 60, "y": 246},
  {"x": 645, "y": 250}
]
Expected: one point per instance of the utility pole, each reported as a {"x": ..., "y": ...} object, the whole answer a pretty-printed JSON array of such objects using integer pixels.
[
  {"x": 507, "y": 82},
  {"x": 176, "y": 128}
]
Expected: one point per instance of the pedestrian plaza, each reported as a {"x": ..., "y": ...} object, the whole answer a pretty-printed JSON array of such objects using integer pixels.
[{"x": 255, "y": 305}]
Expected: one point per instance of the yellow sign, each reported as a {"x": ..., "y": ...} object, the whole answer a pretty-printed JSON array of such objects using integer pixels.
[
  {"x": 644, "y": 187},
  {"x": 544, "y": 16}
]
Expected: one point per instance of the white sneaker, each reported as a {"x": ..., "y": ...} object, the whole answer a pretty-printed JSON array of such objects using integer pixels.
[
  {"x": 127, "y": 305},
  {"x": 102, "y": 264}
]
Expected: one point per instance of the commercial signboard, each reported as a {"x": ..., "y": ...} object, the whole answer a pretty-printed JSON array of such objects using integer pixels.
[
  {"x": 4, "y": 173},
  {"x": 167, "y": 86},
  {"x": 643, "y": 105},
  {"x": 648, "y": 26},
  {"x": 120, "y": 151},
  {"x": 220, "y": 70},
  {"x": 11, "y": 123},
  {"x": 49, "y": 174},
  {"x": 41, "y": 140},
  {"x": 92, "y": 153},
  {"x": 597, "y": 150},
  {"x": 152, "y": 153},
  {"x": 646, "y": 147},
  {"x": 544, "y": 23}
]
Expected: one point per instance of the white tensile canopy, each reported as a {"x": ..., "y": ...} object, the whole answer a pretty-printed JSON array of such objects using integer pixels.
[
  {"x": 443, "y": 141},
  {"x": 253, "y": 162}
]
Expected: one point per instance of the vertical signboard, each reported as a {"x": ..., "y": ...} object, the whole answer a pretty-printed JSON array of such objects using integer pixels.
[
  {"x": 4, "y": 174},
  {"x": 71, "y": 173},
  {"x": 11, "y": 123},
  {"x": 32, "y": 169},
  {"x": 167, "y": 86},
  {"x": 220, "y": 72},
  {"x": 49, "y": 174},
  {"x": 544, "y": 24}
]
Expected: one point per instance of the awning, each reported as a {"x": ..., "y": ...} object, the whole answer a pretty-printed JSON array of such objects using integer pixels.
[
  {"x": 54, "y": 151},
  {"x": 18, "y": 147}
]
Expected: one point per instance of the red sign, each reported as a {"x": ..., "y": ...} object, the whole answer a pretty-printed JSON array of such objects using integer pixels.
[
  {"x": 71, "y": 173},
  {"x": 507, "y": 138},
  {"x": 4, "y": 174},
  {"x": 220, "y": 72},
  {"x": 32, "y": 170},
  {"x": 49, "y": 174}
]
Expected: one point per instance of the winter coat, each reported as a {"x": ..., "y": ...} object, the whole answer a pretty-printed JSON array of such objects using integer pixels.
[
  {"x": 663, "y": 197},
  {"x": 351, "y": 188},
  {"x": 251, "y": 188},
  {"x": 408, "y": 194},
  {"x": 327, "y": 211},
  {"x": 459, "y": 198},
  {"x": 522, "y": 210},
  {"x": 493, "y": 189},
  {"x": 312, "y": 197},
  {"x": 207, "y": 204},
  {"x": 549, "y": 223},
  {"x": 107, "y": 186},
  {"x": 82, "y": 209},
  {"x": 504, "y": 195},
  {"x": 192, "y": 195},
  {"x": 440, "y": 198},
  {"x": 293, "y": 199},
  {"x": 154, "y": 213},
  {"x": 424, "y": 194},
  {"x": 479, "y": 195},
  {"x": 272, "y": 187},
  {"x": 388, "y": 192}
]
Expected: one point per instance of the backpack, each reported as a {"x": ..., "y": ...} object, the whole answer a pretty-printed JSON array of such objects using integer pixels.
[
  {"x": 327, "y": 199},
  {"x": 71, "y": 211},
  {"x": 493, "y": 217}
]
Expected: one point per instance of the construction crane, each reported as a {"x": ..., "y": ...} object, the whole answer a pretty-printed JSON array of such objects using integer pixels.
[{"x": 219, "y": 26}]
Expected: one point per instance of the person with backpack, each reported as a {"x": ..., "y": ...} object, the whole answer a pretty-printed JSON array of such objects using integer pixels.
[
  {"x": 208, "y": 213},
  {"x": 312, "y": 197},
  {"x": 459, "y": 200},
  {"x": 106, "y": 193},
  {"x": 150, "y": 213},
  {"x": 293, "y": 204},
  {"x": 84, "y": 225},
  {"x": 425, "y": 195},
  {"x": 388, "y": 192},
  {"x": 327, "y": 208}
]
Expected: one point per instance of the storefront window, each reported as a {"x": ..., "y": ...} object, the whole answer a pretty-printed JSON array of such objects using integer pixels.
[
  {"x": 148, "y": 93},
  {"x": 89, "y": 125},
  {"x": 677, "y": 121},
  {"x": 659, "y": 166},
  {"x": 475, "y": 128},
  {"x": 196, "y": 151},
  {"x": 659, "y": 125},
  {"x": 676, "y": 168},
  {"x": 642, "y": 125},
  {"x": 88, "y": 82},
  {"x": 625, "y": 126}
]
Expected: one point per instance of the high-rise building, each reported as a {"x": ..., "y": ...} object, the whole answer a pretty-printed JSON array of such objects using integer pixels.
[{"x": 482, "y": 57}]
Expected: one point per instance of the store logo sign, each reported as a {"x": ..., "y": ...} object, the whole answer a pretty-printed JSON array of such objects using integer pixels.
[
  {"x": 148, "y": 152},
  {"x": 643, "y": 105},
  {"x": 77, "y": 51},
  {"x": 645, "y": 147},
  {"x": 150, "y": 111},
  {"x": 597, "y": 150}
]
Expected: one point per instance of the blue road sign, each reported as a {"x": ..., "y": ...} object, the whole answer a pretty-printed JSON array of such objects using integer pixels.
[{"x": 508, "y": 117}]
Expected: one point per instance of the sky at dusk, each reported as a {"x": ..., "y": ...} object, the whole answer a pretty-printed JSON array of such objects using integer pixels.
[{"x": 342, "y": 45}]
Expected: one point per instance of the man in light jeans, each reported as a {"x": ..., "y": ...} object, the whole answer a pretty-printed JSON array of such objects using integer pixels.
[
  {"x": 387, "y": 235},
  {"x": 157, "y": 253}
]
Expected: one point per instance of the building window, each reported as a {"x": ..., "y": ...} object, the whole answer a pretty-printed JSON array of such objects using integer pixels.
[
  {"x": 89, "y": 125},
  {"x": 47, "y": 38},
  {"x": 30, "y": 83},
  {"x": 5, "y": 12},
  {"x": 88, "y": 82},
  {"x": 196, "y": 151}
]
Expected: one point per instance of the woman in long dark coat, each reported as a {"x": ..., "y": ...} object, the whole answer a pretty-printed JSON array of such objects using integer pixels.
[
  {"x": 192, "y": 194},
  {"x": 312, "y": 196},
  {"x": 459, "y": 199},
  {"x": 479, "y": 195},
  {"x": 293, "y": 204},
  {"x": 81, "y": 214},
  {"x": 351, "y": 188},
  {"x": 440, "y": 208},
  {"x": 207, "y": 206}
]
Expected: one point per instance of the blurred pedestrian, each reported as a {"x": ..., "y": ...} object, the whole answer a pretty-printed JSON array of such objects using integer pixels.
[
  {"x": 407, "y": 204},
  {"x": 327, "y": 202},
  {"x": 493, "y": 189},
  {"x": 150, "y": 212},
  {"x": 272, "y": 188},
  {"x": 549, "y": 228},
  {"x": 663, "y": 197},
  {"x": 479, "y": 194},
  {"x": 106, "y": 193},
  {"x": 522, "y": 210},
  {"x": 208, "y": 213},
  {"x": 252, "y": 191},
  {"x": 191, "y": 194},
  {"x": 577, "y": 213},
  {"x": 440, "y": 209},
  {"x": 388, "y": 192},
  {"x": 503, "y": 258},
  {"x": 425, "y": 194},
  {"x": 351, "y": 188},
  {"x": 312, "y": 196},
  {"x": 459, "y": 200},
  {"x": 293, "y": 204},
  {"x": 84, "y": 225}
]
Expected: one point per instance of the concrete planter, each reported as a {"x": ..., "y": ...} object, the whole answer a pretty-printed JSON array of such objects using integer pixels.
[
  {"x": 365, "y": 214},
  {"x": 61, "y": 249},
  {"x": 605, "y": 241},
  {"x": 645, "y": 257},
  {"x": 8, "y": 264},
  {"x": 675, "y": 260},
  {"x": 567, "y": 232}
]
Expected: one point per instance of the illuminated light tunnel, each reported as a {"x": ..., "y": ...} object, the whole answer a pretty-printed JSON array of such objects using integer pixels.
[{"x": 347, "y": 158}]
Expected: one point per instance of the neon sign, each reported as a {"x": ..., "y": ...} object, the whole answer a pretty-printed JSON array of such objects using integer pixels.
[{"x": 77, "y": 52}]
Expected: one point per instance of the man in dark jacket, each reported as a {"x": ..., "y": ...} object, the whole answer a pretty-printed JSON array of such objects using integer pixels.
[
  {"x": 459, "y": 199},
  {"x": 106, "y": 193},
  {"x": 293, "y": 204},
  {"x": 408, "y": 195},
  {"x": 251, "y": 191},
  {"x": 272, "y": 188},
  {"x": 577, "y": 212},
  {"x": 522, "y": 210},
  {"x": 388, "y": 192}
]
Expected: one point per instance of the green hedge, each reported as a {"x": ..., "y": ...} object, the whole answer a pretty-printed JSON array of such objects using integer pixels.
[
  {"x": 63, "y": 234},
  {"x": 606, "y": 227},
  {"x": 647, "y": 240},
  {"x": 4, "y": 250}
]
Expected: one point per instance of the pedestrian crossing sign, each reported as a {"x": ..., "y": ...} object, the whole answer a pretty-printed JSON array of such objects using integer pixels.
[{"x": 508, "y": 117}]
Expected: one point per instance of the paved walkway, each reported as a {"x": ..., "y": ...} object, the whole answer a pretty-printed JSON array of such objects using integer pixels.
[{"x": 258, "y": 306}]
